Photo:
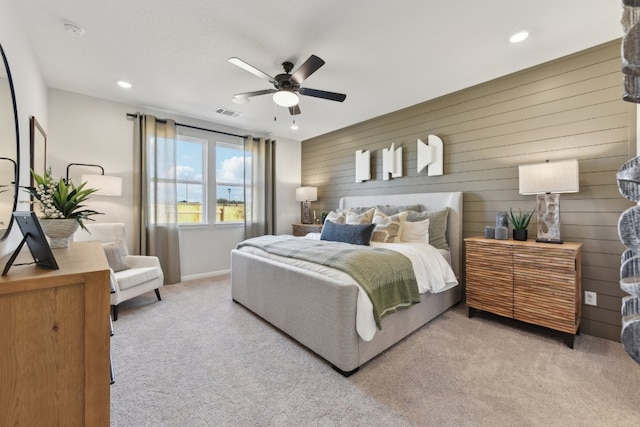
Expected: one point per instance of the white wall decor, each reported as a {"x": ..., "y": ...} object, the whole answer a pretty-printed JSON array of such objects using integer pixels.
[
  {"x": 430, "y": 155},
  {"x": 391, "y": 162},
  {"x": 363, "y": 165}
]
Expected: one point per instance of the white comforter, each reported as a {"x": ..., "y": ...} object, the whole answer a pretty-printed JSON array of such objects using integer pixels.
[{"x": 432, "y": 271}]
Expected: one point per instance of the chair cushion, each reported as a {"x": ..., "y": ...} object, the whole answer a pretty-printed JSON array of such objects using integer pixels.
[
  {"x": 136, "y": 276},
  {"x": 115, "y": 256}
]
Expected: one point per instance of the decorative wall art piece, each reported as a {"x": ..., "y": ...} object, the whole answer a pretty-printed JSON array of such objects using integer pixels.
[
  {"x": 391, "y": 162},
  {"x": 631, "y": 50},
  {"x": 363, "y": 165},
  {"x": 430, "y": 155},
  {"x": 628, "y": 178}
]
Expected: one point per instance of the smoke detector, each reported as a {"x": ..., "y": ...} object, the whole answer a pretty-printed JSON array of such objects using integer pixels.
[{"x": 73, "y": 29}]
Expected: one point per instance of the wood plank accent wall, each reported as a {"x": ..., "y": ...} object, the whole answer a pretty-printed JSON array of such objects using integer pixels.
[{"x": 568, "y": 108}]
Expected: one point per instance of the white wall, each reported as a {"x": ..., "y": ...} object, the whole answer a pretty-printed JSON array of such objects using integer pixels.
[
  {"x": 83, "y": 129},
  {"x": 31, "y": 96}
]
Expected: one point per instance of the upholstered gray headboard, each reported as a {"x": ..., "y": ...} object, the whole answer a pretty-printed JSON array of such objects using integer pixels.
[{"x": 432, "y": 202}]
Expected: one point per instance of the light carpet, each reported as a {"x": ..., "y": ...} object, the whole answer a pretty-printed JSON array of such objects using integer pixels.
[{"x": 196, "y": 358}]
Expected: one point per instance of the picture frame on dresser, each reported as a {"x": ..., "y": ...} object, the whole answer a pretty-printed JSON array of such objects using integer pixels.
[{"x": 36, "y": 241}]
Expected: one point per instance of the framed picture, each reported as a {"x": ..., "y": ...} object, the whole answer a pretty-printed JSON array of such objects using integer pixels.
[
  {"x": 38, "y": 146},
  {"x": 36, "y": 242}
]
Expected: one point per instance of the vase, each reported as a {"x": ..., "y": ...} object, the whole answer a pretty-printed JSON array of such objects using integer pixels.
[
  {"x": 521, "y": 235},
  {"x": 59, "y": 231}
]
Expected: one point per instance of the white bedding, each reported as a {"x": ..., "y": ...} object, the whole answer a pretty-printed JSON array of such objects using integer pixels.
[{"x": 433, "y": 274}]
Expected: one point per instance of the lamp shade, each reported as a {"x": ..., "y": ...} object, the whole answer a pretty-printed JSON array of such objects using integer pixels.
[
  {"x": 306, "y": 194},
  {"x": 549, "y": 177},
  {"x": 106, "y": 185}
]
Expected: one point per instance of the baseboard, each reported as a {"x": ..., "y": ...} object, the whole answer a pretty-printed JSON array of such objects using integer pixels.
[{"x": 204, "y": 275}]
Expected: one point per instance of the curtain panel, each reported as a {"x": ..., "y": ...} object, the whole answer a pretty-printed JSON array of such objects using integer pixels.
[
  {"x": 155, "y": 195},
  {"x": 260, "y": 186}
]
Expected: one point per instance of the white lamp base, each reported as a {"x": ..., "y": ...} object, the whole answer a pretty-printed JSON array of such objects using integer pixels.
[{"x": 548, "y": 218}]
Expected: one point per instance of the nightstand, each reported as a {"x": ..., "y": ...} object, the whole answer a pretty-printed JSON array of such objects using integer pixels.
[
  {"x": 303, "y": 229},
  {"x": 537, "y": 283}
]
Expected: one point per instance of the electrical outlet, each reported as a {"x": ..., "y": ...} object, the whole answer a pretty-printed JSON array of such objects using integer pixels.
[{"x": 590, "y": 298}]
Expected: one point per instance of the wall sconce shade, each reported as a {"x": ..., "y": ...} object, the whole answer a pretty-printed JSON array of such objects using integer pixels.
[
  {"x": 547, "y": 180},
  {"x": 106, "y": 185},
  {"x": 306, "y": 195}
]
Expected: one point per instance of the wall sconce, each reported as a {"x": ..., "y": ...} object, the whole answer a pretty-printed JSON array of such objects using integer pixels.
[
  {"x": 306, "y": 195},
  {"x": 105, "y": 184},
  {"x": 547, "y": 180}
]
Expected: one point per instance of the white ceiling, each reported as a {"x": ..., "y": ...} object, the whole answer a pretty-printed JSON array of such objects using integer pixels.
[{"x": 385, "y": 55}]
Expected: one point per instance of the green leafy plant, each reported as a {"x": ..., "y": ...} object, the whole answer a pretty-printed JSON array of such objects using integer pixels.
[
  {"x": 59, "y": 199},
  {"x": 520, "y": 221}
]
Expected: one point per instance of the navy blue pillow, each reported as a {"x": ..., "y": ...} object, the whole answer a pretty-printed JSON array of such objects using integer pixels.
[{"x": 359, "y": 234}]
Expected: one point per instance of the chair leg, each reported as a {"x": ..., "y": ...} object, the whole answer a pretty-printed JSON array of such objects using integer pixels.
[
  {"x": 158, "y": 294},
  {"x": 114, "y": 312}
]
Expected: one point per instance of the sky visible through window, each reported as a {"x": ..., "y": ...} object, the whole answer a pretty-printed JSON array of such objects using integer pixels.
[{"x": 229, "y": 170}]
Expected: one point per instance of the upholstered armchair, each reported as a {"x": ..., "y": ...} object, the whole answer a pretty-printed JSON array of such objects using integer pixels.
[{"x": 131, "y": 275}]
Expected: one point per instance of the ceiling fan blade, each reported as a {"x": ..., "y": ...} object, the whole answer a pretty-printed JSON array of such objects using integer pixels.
[
  {"x": 332, "y": 96},
  {"x": 295, "y": 110},
  {"x": 309, "y": 67},
  {"x": 253, "y": 70},
  {"x": 254, "y": 93}
]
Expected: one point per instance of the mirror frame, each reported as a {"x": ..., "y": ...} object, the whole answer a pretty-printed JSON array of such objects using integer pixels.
[{"x": 17, "y": 161}]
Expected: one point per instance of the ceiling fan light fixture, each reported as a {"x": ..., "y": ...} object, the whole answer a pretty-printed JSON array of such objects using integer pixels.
[{"x": 285, "y": 98}]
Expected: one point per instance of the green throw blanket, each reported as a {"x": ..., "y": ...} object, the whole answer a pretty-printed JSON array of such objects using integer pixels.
[{"x": 385, "y": 275}]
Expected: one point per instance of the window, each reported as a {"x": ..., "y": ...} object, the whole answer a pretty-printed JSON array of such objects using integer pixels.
[
  {"x": 191, "y": 180},
  {"x": 209, "y": 177},
  {"x": 229, "y": 182}
]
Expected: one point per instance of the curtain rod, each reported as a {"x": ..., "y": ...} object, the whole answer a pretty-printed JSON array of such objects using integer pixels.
[{"x": 133, "y": 116}]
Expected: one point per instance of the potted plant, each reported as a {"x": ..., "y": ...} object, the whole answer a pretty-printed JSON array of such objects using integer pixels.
[
  {"x": 520, "y": 223},
  {"x": 61, "y": 207}
]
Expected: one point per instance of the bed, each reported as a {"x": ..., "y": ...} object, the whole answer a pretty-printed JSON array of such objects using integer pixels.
[{"x": 319, "y": 310}]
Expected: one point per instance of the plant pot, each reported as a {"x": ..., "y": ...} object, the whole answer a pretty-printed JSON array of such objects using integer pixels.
[
  {"x": 59, "y": 231},
  {"x": 521, "y": 235}
]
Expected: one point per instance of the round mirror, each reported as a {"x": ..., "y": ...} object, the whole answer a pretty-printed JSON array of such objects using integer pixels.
[{"x": 9, "y": 143}]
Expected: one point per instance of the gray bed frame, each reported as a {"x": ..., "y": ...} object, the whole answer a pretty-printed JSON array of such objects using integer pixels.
[{"x": 319, "y": 312}]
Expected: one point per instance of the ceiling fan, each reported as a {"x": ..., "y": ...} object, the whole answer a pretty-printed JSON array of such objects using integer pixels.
[{"x": 287, "y": 85}]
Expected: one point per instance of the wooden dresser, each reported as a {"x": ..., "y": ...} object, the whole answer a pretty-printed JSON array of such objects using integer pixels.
[
  {"x": 537, "y": 283},
  {"x": 54, "y": 340}
]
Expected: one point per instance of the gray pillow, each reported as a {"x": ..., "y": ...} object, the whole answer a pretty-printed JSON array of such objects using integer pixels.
[
  {"x": 392, "y": 210},
  {"x": 347, "y": 233},
  {"x": 115, "y": 257},
  {"x": 437, "y": 226}
]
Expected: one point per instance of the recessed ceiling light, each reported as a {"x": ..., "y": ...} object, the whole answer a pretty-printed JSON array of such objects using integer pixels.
[
  {"x": 519, "y": 36},
  {"x": 294, "y": 126},
  {"x": 73, "y": 29},
  {"x": 124, "y": 84}
]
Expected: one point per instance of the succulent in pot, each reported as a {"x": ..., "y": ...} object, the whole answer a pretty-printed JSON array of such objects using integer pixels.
[{"x": 520, "y": 223}]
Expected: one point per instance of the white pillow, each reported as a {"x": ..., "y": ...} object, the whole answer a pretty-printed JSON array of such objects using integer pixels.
[
  {"x": 363, "y": 218},
  {"x": 350, "y": 217},
  {"x": 415, "y": 231},
  {"x": 388, "y": 228},
  {"x": 336, "y": 217}
]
